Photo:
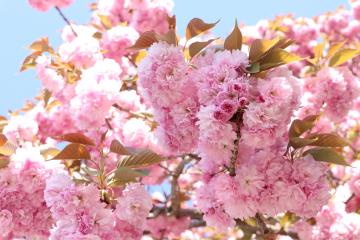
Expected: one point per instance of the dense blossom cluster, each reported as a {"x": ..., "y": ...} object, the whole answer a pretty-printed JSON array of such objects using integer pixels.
[
  {"x": 23, "y": 210},
  {"x": 80, "y": 215},
  {"x": 172, "y": 94},
  {"x": 333, "y": 221},
  {"x": 220, "y": 121},
  {"x": 332, "y": 90}
]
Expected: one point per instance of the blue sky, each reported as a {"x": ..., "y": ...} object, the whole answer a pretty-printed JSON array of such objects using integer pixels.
[{"x": 20, "y": 25}]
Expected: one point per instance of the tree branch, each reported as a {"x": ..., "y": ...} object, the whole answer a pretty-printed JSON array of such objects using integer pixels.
[
  {"x": 237, "y": 119},
  {"x": 175, "y": 190},
  {"x": 66, "y": 20}
]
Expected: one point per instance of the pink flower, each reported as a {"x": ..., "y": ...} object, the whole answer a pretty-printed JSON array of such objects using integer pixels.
[
  {"x": 216, "y": 140},
  {"x": 83, "y": 52},
  {"x": 6, "y": 225},
  {"x": 134, "y": 205},
  {"x": 117, "y": 39},
  {"x": 162, "y": 226},
  {"x": 165, "y": 87}
]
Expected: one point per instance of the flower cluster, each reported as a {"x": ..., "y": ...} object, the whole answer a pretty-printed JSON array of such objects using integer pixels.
[
  {"x": 171, "y": 93},
  {"x": 207, "y": 123},
  {"x": 45, "y": 5},
  {"x": 23, "y": 209},
  {"x": 80, "y": 214},
  {"x": 142, "y": 15}
]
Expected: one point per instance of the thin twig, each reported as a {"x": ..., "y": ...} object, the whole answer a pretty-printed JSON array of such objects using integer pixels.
[{"x": 66, "y": 20}]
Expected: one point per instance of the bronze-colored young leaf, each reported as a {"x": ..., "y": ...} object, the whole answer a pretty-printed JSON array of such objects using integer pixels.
[
  {"x": 8, "y": 149},
  {"x": 328, "y": 140},
  {"x": 298, "y": 126},
  {"x": 318, "y": 53},
  {"x": 97, "y": 35},
  {"x": 41, "y": 45},
  {"x": 327, "y": 155},
  {"x": 46, "y": 96},
  {"x": 49, "y": 153},
  {"x": 117, "y": 147},
  {"x": 105, "y": 21},
  {"x": 234, "y": 40},
  {"x": 141, "y": 159},
  {"x": 145, "y": 40},
  {"x": 197, "y": 26},
  {"x": 334, "y": 48},
  {"x": 124, "y": 175},
  {"x": 343, "y": 56},
  {"x": 284, "y": 43},
  {"x": 278, "y": 57},
  {"x": 297, "y": 142},
  {"x": 3, "y": 139},
  {"x": 259, "y": 47},
  {"x": 29, "y": 61},
  {"x": 75, "y": 138},
  {"x": 171, "y": 22},
  {"x": 3, "y": 122},
  {"x": 197, "y": 47},
  {"x": 169, "y": 37},
  {"x": 4, "y": 161},
  {"x": 73, "y": 151}
]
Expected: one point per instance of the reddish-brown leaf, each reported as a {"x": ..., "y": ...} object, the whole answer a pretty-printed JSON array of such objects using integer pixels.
[
  {"x": 169, "y": 37},
  {"x": 73, "y": 151},
  {"x": 75, "y": 138},
  {"x": 117, "y": 147},
  {"x": 3, "y": 139},
  {"x": 234, "y": 40},
  {"x": 7, "y": 149},
  {"x": 171, "y": 22},
  {"x": 197, "y": 47},
  {"x": 197, "y": 26},
  {"x": 145, "y": 40}
]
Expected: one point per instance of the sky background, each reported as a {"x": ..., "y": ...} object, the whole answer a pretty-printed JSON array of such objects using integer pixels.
[{"x": 20, "y": 25}]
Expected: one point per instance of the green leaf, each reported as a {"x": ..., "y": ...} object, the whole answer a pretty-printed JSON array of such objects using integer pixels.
[
  {"x": 141, "y": 159},
  {"x": 343, "y": 56},
  {"x": 197, "y": 47},
  {"x": 197, "y": 26},
  {"x": 326, "y": 155},
  {"x": 298, "y": 126},
  {"x": 297, "y": 142},
  {"x": 328, "y": 140},
  {"x": 124, "y": 175},
  {"x": 234, "y": 40},
  {"x": 278, "y": 57},
  {"x": 254, "y": 68}
]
